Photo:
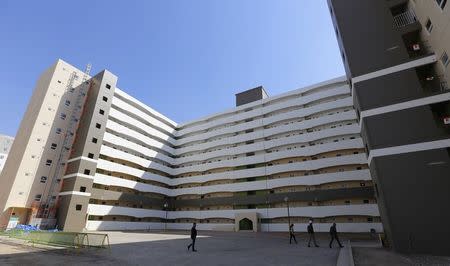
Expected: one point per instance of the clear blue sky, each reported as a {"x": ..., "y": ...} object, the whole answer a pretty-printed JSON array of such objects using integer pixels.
[{"x": 186, "y": 59}]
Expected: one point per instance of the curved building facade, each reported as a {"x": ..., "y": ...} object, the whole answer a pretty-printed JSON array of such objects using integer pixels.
[{"x": 267, "y": 162}]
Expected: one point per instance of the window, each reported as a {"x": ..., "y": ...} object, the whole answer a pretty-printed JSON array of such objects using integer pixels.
[
  {"x": 38, "y": 197},
  {"x": 98, "y": 125},
  {"x": 105, "y": 99},
  {"x": 366, "y": 201},
  {"x": 78, "y": 207},
  {"x": 58, "y": 131},
  {"x": 63, "y": 116},
  {"x": 369, "y": 219},
  {"x": 87, "y": 171},
  {"x": 429, "y": 26},
  {"x": 59, "y": 81},
  {"x": 82, "y": 189},
  {"x": 444, "y": 59},
  {"x": 48, "y": 163},
  {"x": 67, "y": 103},
  {"x": 101, "y": 111},
  {"x": 53, "y": 146},
  {"x": 441, "y": 3},
  {"x": 108, "y": 86},
  {"x": 43, "y": 179},
  {"x": 90, "y": 155},
  {"x": 94, "y": 140}
]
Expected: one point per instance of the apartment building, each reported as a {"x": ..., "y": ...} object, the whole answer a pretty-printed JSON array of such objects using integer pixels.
[
  {"x": 5, "y": 146},
  {"x": 258, "y": 166},
  {"x": 396, "y": 59}
]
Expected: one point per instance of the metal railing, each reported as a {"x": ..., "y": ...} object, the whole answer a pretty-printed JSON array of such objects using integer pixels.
[
  {"x": 405, "y": 18},
  {"x": 65, "y": 239}
]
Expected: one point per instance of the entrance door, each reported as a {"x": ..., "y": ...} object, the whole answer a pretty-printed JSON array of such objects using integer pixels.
[{"x": 246, "y": 224}]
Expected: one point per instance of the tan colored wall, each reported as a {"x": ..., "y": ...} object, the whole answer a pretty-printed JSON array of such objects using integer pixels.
[
  {"x": 20, "y": 178},
  {"x": 439, "y": 38}
]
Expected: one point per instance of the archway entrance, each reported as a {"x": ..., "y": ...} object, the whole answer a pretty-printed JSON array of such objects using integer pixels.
[{"x": 246, "y": 224}]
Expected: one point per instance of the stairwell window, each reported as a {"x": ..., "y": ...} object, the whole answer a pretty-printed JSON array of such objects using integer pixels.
[
  {"x": 78, "y": 207},
  {"x": 48, "y": 162},
  {"x": 53, "y": 146},
  {"x": 105, "y": 99},
  {"x": 429, "y": 25},
  {"x": 63, "y": 116},
  {"x": 108, "y": 86},
  {"x": 67, "y": 102},
  {"x": 101, "y": 111},
  {"x": 38, "y": 197},
  {"x": 441, "y": 3},
  {"x": 43, "y": 179},
  {"x": 444, "y": 59},
  {"x": 98, "y": 125}
]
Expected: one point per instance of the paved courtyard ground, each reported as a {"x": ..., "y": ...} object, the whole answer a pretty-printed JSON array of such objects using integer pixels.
[
  {"x": 366, "y": 256},
  {"x": 159, "y": 248}
]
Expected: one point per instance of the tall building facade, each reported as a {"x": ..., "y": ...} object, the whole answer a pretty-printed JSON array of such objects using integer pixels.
[
  {"x": 5, "y": 146},
  {"x": 267, "y": 162},
  {"x": 396, "y": 58}
]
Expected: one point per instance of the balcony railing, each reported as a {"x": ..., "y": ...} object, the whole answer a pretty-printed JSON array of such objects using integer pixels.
[{"x": 405, "y": 18}]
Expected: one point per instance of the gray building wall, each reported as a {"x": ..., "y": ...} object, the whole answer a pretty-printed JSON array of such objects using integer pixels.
[
  {"x": 414, "y": 197},
  {"x": 251, "y": 95},
  {"x": 410, "y": 192}
]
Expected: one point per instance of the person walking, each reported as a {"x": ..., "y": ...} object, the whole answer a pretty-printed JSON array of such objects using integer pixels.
[
  {"x": 333, "y": 233},
  {"x": 193, "y": 237},
  {"x": 291, "y": 234},
  {"x": 311, "y": 234}
]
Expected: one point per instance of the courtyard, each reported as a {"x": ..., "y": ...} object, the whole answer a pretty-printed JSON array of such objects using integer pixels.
[{"x": 170, "y": 248}]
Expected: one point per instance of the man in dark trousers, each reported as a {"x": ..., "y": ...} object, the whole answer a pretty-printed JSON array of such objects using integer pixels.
[
  {"x": 193, "y": 237},
  {"x": 291, "y": 234},
  {"x": 311, "y": 234},
  {"x": 333, "y": 233}
]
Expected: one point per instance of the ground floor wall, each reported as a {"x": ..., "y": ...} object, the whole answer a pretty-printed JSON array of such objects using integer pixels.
[{"x": 279, "y": 227}]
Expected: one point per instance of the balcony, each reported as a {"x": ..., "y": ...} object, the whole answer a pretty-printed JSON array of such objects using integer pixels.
[
  {"x": 431, "y": 82},
  {"x": 415, "y": 46}
]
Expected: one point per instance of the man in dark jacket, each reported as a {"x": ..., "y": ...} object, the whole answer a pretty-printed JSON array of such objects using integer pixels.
[
  {"x": 291, "y": 234},
  {"x": 333, "y": 233},
  {"x": 193, "y": 237},
  {"x": 311, "y": 234}
]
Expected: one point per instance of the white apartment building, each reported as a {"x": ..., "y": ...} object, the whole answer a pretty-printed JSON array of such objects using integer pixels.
[{"x": 258, "y": 166}]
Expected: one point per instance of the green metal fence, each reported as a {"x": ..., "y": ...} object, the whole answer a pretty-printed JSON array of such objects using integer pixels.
[{"x": 66, "y": 239}]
